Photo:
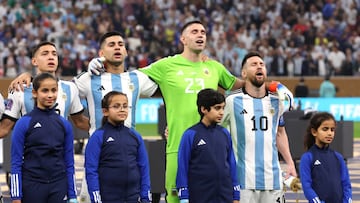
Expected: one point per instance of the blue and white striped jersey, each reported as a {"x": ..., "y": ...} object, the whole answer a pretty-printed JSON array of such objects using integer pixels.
[
  {"x": 94, "y": 88},
  {"x": 253, "y": 124},
  {"x": 2, "y": 105},
  {"x": 20, "y": 103}
]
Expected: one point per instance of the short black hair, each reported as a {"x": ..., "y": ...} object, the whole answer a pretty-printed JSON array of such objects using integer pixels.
[
  {"x": 107, "y": 35},
  {"x": 207, "y": 98},
  {"x": 190, "y": 23},
  {"x": 41, "y": 44},
  {"x": 249, "y": 55}
]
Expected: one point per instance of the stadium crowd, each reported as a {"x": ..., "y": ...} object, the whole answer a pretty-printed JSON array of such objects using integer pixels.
[{"x": 296, "y": 37}]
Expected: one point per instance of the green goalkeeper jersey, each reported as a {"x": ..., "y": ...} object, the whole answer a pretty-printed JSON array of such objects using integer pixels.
[{"x": 180, "y": 80}]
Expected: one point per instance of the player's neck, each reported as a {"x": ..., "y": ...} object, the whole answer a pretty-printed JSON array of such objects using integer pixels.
[
  {"x": 256, "y": 92},
  {"x": 115, "y": 69},
  {"x": 191, "y": 56},
  {"x": 52, "y": 73}
]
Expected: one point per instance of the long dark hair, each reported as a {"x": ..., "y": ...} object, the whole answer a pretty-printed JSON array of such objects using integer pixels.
[
  {"x": 105, "y": 102},
  {"x": 316, "y": 120}
]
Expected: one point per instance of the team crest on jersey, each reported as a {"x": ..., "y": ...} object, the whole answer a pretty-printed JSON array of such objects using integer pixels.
[
  {"x": 131, "y": 86},
  {"x": 8, "y": 104},
  {"x": 272, "y": 111},
  {"x": 206, "y": 71},
  {"x": 64, "y": 97}
]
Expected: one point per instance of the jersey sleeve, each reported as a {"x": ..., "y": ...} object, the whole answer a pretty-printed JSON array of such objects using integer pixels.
[
  {"x": 17, "y": 153},
  {"x": 144, "y": 166},
  {"x": 69, "y": 158},
  {"x": 92, "y": 155},
  {"x": 155, "y": 70},
  {"x": 82, "y": 83},
  {"x": 2, "y": 105},
  {"x": 76, "y": 105},
  {"x": 232, "y": 164},
  {"x": 345, "y": 179},
  {"x": 305, "y": 177},
  {"x": 183, "y": 163},
  {"x": 14, "y": 105},
  {"x": 226, "y": 79},
  {"x": 147, "y": 85}
]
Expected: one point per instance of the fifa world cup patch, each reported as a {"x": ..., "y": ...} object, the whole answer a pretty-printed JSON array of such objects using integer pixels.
[{"x": 8, "y": 104}]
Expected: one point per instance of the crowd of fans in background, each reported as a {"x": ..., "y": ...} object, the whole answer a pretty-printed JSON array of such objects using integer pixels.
[{"x": 296, "y": 37}]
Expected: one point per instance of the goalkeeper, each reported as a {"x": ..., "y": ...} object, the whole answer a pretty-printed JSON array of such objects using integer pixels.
[{"x": 323, "y": 172}]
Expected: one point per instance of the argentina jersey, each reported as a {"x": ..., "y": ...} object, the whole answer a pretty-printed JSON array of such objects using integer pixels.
[
  {"x": 253, "y": 124},
  {"x": 94, "y": 88},
  {"x": 20, "y": 103}
]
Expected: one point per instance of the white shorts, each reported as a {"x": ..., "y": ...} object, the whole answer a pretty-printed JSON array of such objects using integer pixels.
[{"x": 261, "y": 196}]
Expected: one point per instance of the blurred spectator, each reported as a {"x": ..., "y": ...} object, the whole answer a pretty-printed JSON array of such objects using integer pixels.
[
  {"x": 301, "y": 89},
  {"x": 357, "y": 64},
  {"x": 348, "y": 65},
  {"x": 66, "y": 63},
  {"x": 278, "y": 29},
  {"x": 24, "y": 60},
  {"x": 79, "y": 63},
  {"x": 11, "y": 65},
  {"x": 336, "y": 58},
  {"x": 327, "y": 88},
  {"x": 309, "y": 66}
]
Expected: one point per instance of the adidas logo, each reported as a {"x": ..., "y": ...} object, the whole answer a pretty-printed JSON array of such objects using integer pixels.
[
  {"x": 37, "y": 125},
  {"x": 243, "y": 111},
  {"x": 180, "y": 72},
  {"x": 317, "y": 162},
  {"x": 101, "y": 88},
  {"x": 201, "y": 142},
  {"x": 110, "y": 139}
]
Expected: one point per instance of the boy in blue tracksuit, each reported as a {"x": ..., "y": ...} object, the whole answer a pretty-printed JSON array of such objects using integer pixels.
[
  {"x": 323, "y": 172},
  {"x": 42, "y": 158},
  {"x": 206, "y": 163},
  {"x": 116, "y": 161}
]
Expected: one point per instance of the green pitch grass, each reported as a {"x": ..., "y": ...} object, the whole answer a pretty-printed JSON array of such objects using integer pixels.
[
  {"x": 147, "y": 129},
  {"x": 357, "y": 129}
]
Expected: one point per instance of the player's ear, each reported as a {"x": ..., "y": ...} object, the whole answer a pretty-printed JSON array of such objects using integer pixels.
[
  {"x": 243, "y": 72},
  {"x": 105, "y": 111},
  {"x": 182, "y": 39},
  {"x": 203, "y": 109},
  {"x": 33, "y": 61}
]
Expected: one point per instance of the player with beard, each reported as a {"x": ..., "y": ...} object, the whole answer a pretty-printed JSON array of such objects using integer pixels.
[
  {"x": 92, "y": 87},
  {"x": 180, "y": 78},
  {"x": 254, "y": 116}
]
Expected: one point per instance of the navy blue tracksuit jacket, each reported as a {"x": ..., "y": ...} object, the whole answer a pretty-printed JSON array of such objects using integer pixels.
[
  {"x": 207, "y": 166},
  {"x": 117, "y": 166},
  {"x": 324, "y": 176},
  {"x": 42, "y": 151}
]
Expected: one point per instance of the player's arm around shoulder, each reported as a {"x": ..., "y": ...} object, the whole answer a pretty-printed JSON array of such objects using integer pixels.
[
  {"x": 82, "y": 83},
  {"x": 158, "y": 69}
]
